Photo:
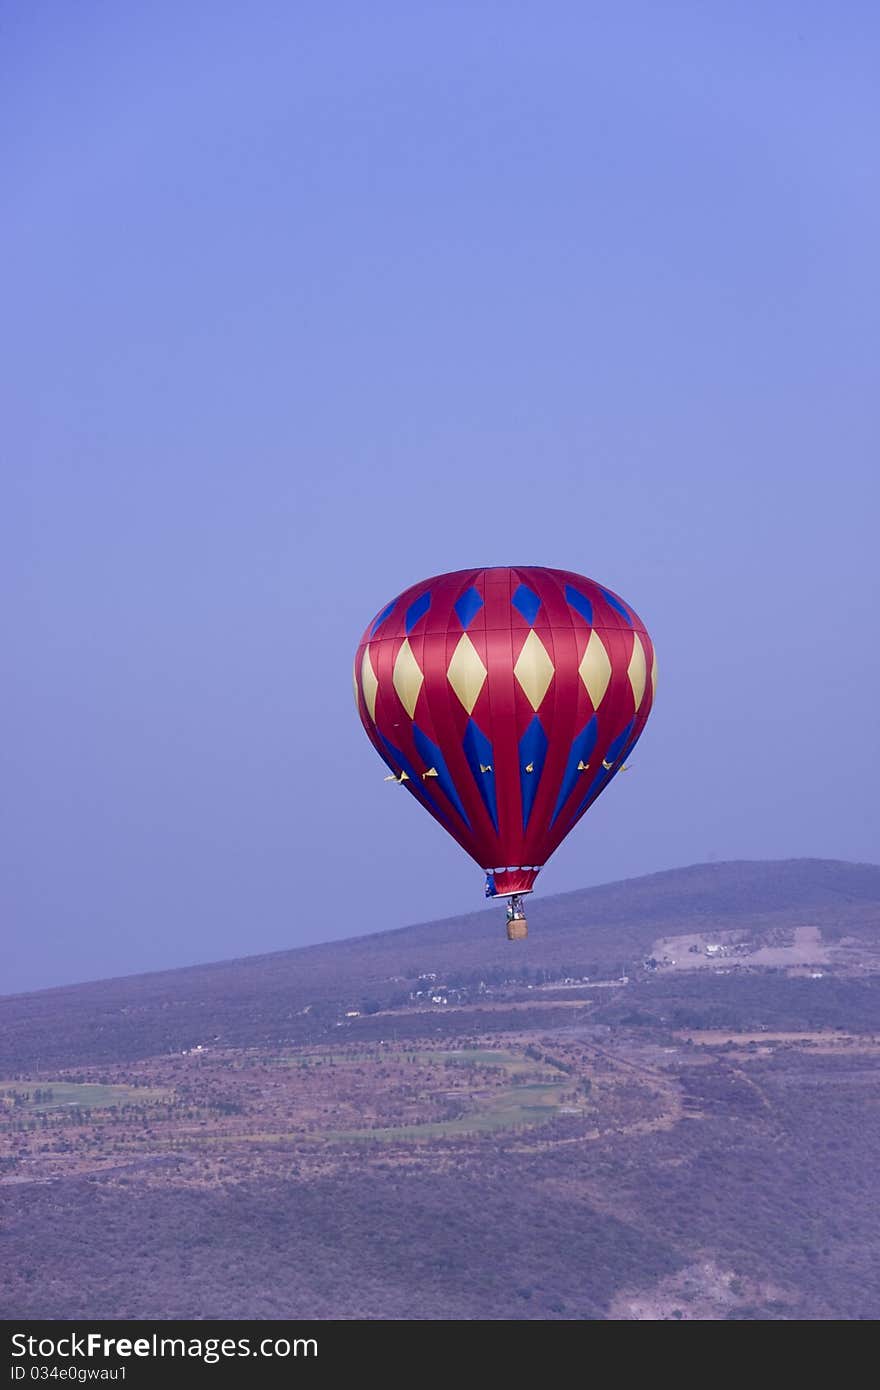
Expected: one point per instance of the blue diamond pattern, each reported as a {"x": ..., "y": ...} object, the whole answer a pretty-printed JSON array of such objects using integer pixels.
[
  {"x": 381, "y": 618},
  {"x": 579, "y": 602},
  {"x": 478, "y": 751},
  {"x": 527, "y": 603},
  {"x": 617, "y": 606},
  {"x": 532, "y": 752},
  {"x": 581, "y": 748},
  {"x": 468, "y": 606}
]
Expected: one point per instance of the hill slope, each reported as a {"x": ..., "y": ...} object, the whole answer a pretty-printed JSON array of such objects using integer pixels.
[
  {"x": 296, "y": 995},
  {"x": 434, "y": 1123}
]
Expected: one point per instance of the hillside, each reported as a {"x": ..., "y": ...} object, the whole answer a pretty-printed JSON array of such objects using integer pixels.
[
  {"x": 602, "y": 932},
  {"x": 666, "y": 1104}
]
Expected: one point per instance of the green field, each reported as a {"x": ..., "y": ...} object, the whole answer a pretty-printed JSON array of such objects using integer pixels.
[
  {"x": 460, "y": 1056},
  {"x": 479, "y": 1056},
  {"x": 533, "y": 1099},
  {"x": 510, "y": 1108},
  {"x": 518, "y": 1107},
  {"x": 40, "y": 1097}
]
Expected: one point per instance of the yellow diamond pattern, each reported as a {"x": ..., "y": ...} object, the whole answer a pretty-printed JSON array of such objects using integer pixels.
[
  {"x": 534, "y": 669},
  {"x": 467, "y": 674},
  {"x": 637, "y": 670},
  {"x": 595, "y": 669},
  {"x": 369, "y": 683},
  {"x": 408, "y": 678}
]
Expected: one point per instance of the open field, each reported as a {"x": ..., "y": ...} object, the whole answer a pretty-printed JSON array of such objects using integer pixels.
[
  {"x": 673, "y": 1144},
  {"x": 641, "y": 1152},
  {"x": 794, "y": 947},
  {"x": 325, "y": 1100},
  {"x": 43, "y": 1097},
  {"x": 822, "y": 1041}
]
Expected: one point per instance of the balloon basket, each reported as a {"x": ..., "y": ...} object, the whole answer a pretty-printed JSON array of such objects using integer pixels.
[{"x": 517, "y": 926}]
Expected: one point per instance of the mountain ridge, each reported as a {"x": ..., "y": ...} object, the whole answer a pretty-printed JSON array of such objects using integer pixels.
[
  {"x": 538, "y": 907},
  {"x": 301, "y": 994}
]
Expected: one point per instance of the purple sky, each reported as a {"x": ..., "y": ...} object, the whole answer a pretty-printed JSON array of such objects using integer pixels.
[{"x": 306, "y": 302}]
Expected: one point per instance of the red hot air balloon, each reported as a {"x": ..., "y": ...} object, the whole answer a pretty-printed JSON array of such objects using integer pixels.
[{"x": 505, "y": 700}]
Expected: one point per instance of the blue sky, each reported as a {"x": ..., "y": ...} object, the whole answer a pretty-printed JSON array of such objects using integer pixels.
[{"x": 309, "y": 302}]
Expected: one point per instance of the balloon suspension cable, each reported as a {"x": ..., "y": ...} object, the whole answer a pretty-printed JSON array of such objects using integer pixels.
[{"x": 517, "y": 926}]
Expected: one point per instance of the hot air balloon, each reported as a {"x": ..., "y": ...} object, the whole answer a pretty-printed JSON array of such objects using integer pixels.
[{"x": 505, "y": 700}]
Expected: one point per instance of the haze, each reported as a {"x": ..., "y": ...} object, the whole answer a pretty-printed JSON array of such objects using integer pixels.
[{"x": 305, "y": 303}]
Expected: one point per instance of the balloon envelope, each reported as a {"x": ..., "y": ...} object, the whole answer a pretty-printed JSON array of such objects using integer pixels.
[{"x": 505, "y": 700}]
